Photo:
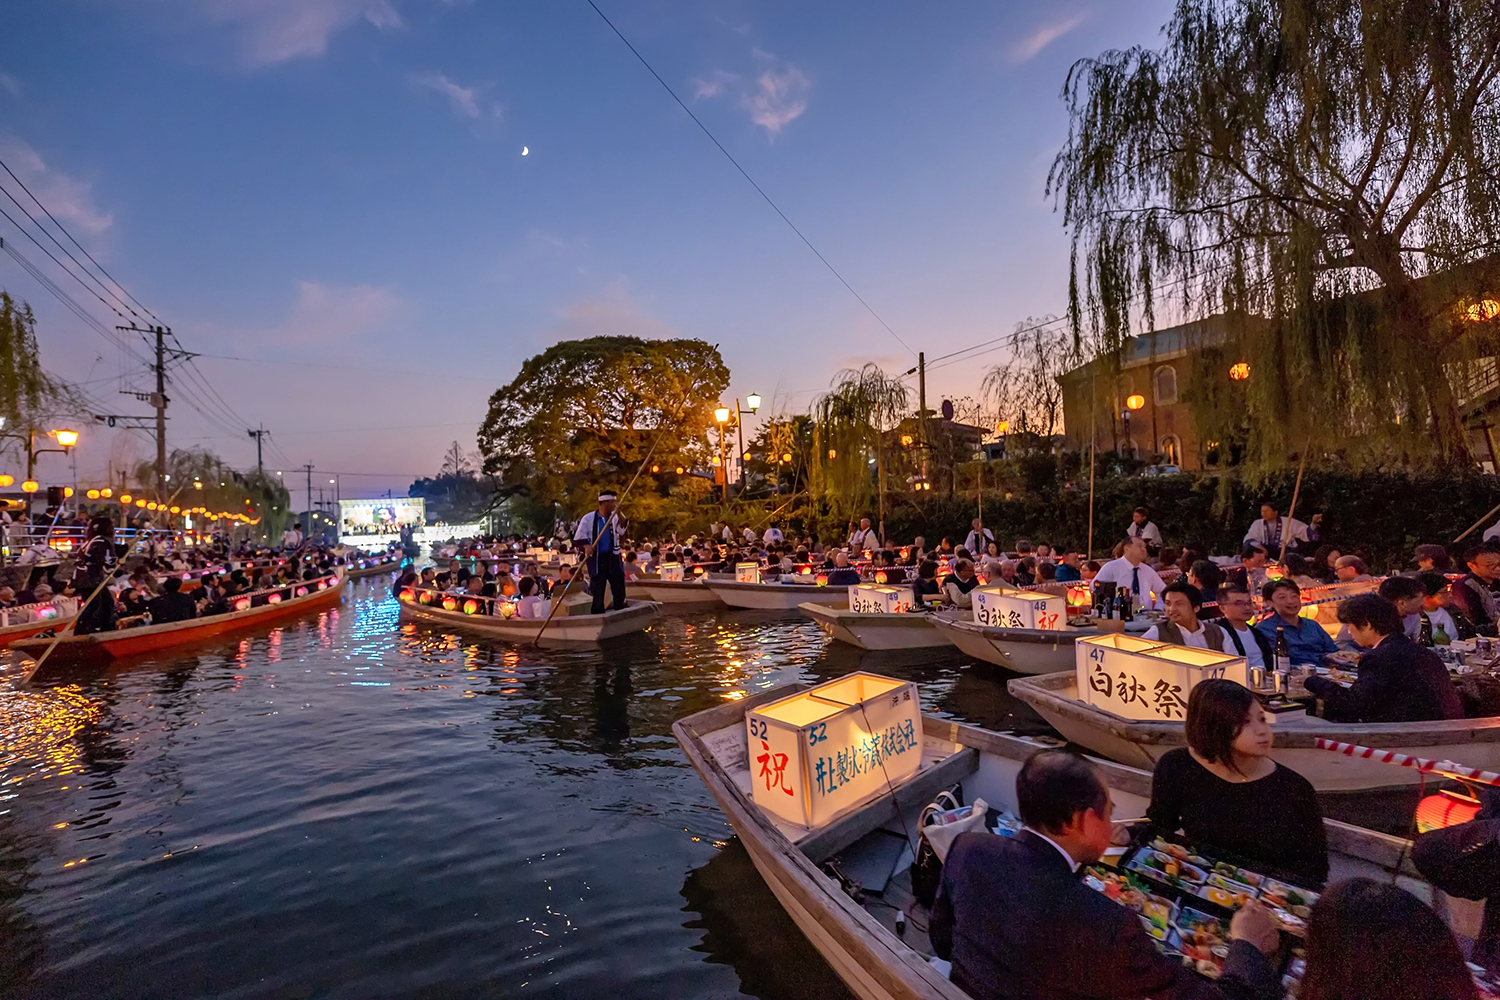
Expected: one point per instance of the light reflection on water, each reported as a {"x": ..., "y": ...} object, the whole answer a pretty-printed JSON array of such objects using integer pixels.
[{"x": 349, "y": 806}]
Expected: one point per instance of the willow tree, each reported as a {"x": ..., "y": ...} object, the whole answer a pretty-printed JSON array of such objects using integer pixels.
[
  {"x": 1025, "y": 390},
  {"x": 1323, "y": 172},
  {"x": 852, "y": 421}
]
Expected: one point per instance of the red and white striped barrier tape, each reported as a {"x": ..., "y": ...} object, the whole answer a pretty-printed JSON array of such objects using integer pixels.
[{"x": 1443, "y": 767}]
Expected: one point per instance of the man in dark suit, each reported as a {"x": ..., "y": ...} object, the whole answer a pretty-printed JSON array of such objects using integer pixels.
[
  {"x": 173, "y": 605},
  {"x": 1017, "y": 924},
  {"x": 1399, "y": 681}
]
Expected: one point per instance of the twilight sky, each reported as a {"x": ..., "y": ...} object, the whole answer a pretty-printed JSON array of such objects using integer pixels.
[{"x": 335, "y": 189}]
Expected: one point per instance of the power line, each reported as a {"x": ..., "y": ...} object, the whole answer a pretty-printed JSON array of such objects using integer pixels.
[
  {"x": 45, "y": 232},
  {"x": 744, "y": 173},
  {"x": 345, "y": 368},
  {"x": 69, "y": 235}
]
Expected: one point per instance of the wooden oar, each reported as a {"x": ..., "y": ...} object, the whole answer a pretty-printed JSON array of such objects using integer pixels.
[
  {"x": 64, "y": 631},
  {"x": 1286, "y": 534},
  {"x": 1492, "y": 513}
]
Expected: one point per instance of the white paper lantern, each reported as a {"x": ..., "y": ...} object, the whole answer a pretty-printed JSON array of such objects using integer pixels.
[
  {"x": 871, "y": 598},
  {"x": 1144, "y": 680},
  {"x": 828, "y": 750},
  {"x": 999, "y": 606},
  {"x": 747, "y": 572},
  {"x": 671, "y": 572}
]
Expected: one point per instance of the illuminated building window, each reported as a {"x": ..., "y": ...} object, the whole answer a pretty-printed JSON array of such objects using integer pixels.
[{"x": 1171, "y": 450}]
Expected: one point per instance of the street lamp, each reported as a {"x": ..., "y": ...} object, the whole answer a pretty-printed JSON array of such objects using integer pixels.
[
  {"x": 1133, "y": 402},
  {"x": 721, "y": 417},
  {"x": 1002, "y": 428},
  {"x": 66, "y": 438}
]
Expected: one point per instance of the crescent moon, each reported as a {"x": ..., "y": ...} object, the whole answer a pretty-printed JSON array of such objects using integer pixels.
[{"x": 525, "y": 150}]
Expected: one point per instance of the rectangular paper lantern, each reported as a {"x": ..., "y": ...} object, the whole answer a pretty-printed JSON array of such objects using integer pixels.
[
  {"x": 671, "y": 572},
  {"x": 825, "y": 751},
  {"x": 999, "y": 606},
  {"x": 1145, "y": 680},
  {"x": 874, "y": 598},
  {"x": 747, "y": 572},
  {"x": 568, "y": 558}
]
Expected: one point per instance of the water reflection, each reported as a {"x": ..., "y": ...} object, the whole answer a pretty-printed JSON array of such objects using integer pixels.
[{"x": 365, "y": 807}]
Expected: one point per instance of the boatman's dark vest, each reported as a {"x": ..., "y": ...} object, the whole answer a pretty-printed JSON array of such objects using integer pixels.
[{"x": 1167, "y": 631}]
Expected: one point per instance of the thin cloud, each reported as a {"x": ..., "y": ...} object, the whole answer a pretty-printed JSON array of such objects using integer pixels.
[
  {"x": 776, "y": 97},
  {"x": 10, "y": 85},
  {"x": 1044, "y": 36},
  {"x": 274, "y": 31},
  {"x": 68, "y": 199},
  {"x": 465, "y": 100},
  {"x": 333, "y": 313}
]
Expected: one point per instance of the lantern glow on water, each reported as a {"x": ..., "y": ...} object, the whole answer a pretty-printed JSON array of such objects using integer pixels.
[
  {"x": 825, "y": 751},
  {"x": 1144, "y": 680}
]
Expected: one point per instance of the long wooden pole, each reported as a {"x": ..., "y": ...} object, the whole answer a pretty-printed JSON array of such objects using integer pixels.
[
  {"x": 1493, "y": 511},
  {"x": 65, "y": 631},
  {"x": 1286, "y": 534}
]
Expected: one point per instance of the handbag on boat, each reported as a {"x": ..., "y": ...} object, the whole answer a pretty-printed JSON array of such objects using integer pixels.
[{"x": 942, "y": 821}]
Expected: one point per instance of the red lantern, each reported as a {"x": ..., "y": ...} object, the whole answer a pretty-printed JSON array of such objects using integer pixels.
[
  {"x": 507, "y": 609},
  {"x": 880, "y": 576},
  {"x": 425, "y": 597},
  {"x": 301, "y": 591},
  {"x": 822, "y": 580},
  {"x": 1445, "y": 809},
  {"x": 274, "y": 599},
  {"x": 450, "y": 603},
  {"x": 471, "y": 607},
  {"x": 243, "y": 604},
  {"x": 408, "y": 595}
]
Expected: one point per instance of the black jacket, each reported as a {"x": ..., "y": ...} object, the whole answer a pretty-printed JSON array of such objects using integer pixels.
[
  {"x": 1017, "y": 924},
  {"x": 1399, "y": 681},
  {"x": 170, "y": 607}
]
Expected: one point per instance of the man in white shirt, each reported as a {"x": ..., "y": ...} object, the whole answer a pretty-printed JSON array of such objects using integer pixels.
[
  {"x": 1271, "y": 527},
  {"x": 1237, "y": 607},
  {"x": 291, "y": 538},
  {"x": 1130, "y": 573},
  {"x": 749, "y": 535},
  {"x": 773, "y": 534},
  {"x": 1141, "y": 526},
  {"x": 862, "y": 539},
  {"x": 1182, "y": 627},
  {"x": 978, "y": 540}
]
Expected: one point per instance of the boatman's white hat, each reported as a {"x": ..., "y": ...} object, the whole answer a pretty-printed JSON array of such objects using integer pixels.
[{"x": 606, "y": 495}]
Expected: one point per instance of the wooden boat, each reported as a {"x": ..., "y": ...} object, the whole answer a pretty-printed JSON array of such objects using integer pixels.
[
  {"x": 479, "y": 614},
  {"x": 27, "y": 620},
  {"x": 678, "y": 593},
  {"x": 860, "y": 942},
  {"x": 102, "y": 647},
  {"x": 909, "y": 630},
  {"x": 1024, "y": 650},
  {"x": 363, "y": 568},
  {"x": 1475, "y": 742},
  {"x": 777, "y": 596}
]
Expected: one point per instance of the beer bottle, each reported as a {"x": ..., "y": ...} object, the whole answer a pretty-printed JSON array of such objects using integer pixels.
[
  {"x": 1283, "y": 652},
  {"x": 1424, "y": 632}
]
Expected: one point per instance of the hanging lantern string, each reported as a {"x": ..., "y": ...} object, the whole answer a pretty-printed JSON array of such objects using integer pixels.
[{"x": 1446, "y": 768}]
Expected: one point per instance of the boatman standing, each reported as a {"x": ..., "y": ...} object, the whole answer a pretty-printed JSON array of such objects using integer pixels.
[{"x": 600, "y": 533}]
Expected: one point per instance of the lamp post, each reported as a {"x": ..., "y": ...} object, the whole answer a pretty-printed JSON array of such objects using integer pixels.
[
  {"x": 721, "y": 417},
  {"x": 1132, "y": 403},
  {"x": 66, "y": 438},
  {"x": 1003, "y": 429}
]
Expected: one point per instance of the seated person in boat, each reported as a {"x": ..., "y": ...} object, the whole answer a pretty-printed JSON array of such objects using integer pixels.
[
  {"x": 173, "y": 605},
  {"x": 1183, "y": 627},
  {"x": 1070, "y": 568},
  {"x": 1017, "y": 924},
  {"x": 7, "y": 597},
  {"x": 1399, "y": 681},
  {"x": 1224, "y": 790},
  {"x": 530, "y": 604},
  {"x": 926, "y": 585},
  {"x": 1251, "y": 572},
  {"x": 1472, "y": 594},
  {"x": 842, "y": 574},
  {"x": 1436, "y": 598},
  {"x": 210, "y": 597},
  {"x": 1237, "y": 610},
  {"x": 1406, "y": 594},
  {"x": 1305, "y": 638},
  {"x": 1206, "y": 575},
  {"x": 957, "y": 588},
  {"x": 1130, "y": 573}
]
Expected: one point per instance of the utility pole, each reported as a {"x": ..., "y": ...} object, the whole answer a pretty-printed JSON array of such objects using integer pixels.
[
  {"x": 259, "y": 465},
  {"x": 307, "y": 521},
  {"x": 158, "y": 399},
  {"x": 922, "y": 408}
]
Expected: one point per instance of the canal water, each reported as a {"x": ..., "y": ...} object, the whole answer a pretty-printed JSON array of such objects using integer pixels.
[{"x": 353, "y": 807}]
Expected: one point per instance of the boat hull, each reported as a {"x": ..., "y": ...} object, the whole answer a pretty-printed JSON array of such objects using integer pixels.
[
  {"x": 104, "y": 647},
  {"x": 1022, "y": 650},
  {"x": 389, "y": 567},
  {"x": 634, "y": 617},
  {"x": 1473, "y": 742},
  {"x": 875, "y": 631},
  {"x": 25, "y": 630},
  {"x": 777, "y": 596},
  {"x": 677, "y": 593}
]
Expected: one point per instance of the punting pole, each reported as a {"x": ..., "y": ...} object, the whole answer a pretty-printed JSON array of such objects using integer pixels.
[
  {"x": 1446, "y": 768},
  {"x": 1286, "y": 536},
  {"x": 63, "y": 632},
  {"x": 612, "y": 518},
  {"x": 1495, "y": 510}
]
